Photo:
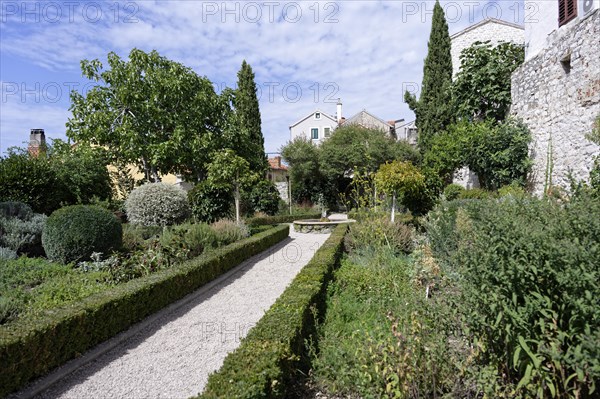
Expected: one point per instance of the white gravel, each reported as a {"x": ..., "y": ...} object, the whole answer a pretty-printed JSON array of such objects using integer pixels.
[{"x": 173, "y": 356}]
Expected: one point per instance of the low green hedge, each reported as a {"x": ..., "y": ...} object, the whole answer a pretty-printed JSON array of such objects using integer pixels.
[
  {"x": 265, "y": 363},
  {"x": 30, "y": 348},
  {"x": 260, "y": 221}
]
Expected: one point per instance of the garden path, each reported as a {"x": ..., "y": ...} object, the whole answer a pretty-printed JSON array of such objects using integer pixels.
[{"x": 173, "y": 354}]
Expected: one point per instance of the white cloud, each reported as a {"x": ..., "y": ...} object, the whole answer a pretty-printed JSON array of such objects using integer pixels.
[{"x": 369, "y": 50}]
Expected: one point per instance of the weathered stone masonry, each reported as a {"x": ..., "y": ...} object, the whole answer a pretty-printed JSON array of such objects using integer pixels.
[{"x": 557, "y": 94}]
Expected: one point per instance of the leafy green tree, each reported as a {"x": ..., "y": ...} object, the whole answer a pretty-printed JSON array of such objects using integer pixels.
[
  {"x": 433, "y": 110},
  {"x": 31, "y": 180},
  {"x": 248, "y": 122},
  {"x": 482, "y": 87},
  {"x": 151, "y": 112},
  {"x": 83, "y": 171},
  {"x": 400, "y": 179},
  {"x": 499, "y": 154},
  {"x": 229, "y": 170},
  {"x": 302, "y": 156},
  {"x": 355, "y": 148}
]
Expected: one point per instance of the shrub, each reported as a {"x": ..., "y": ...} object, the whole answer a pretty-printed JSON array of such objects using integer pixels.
[
  {"x": 15, "y": 209},
  {"x": 379, "y": 232},
  {"x": 529, "y": 283},
  {"x": 7, "y": 253},
  {"x": 31, "y": 180},
  {"x": 23, "y": 236},
  {"x": 476, "y": 193},
  {"x": 194, "y": 238},
  {"x": 264, "y": 197},
  {"x": 136, "y": 237},
  {"x": 73, "y": 233},
  {"x": 210, "y": 203},
  {"x": 512, "y": 190},
  {"x": 157, "y": 204},
  {"x": 453, "y": 191},
  {"x": 228, "y": 231}
]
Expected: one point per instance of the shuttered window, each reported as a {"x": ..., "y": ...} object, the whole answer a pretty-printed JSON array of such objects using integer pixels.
[{"x": 567, "y": 10}]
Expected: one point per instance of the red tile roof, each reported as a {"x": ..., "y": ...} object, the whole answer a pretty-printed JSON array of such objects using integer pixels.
[{"x": 275, "y": 164}]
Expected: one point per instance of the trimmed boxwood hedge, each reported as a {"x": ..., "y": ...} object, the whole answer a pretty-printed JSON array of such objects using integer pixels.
[
  {"x": 265, "y": 363},
  {"x": 31, "y": 348},
  {"x": 260, "y": 221}
]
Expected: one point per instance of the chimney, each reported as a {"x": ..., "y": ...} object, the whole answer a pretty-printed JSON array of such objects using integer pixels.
[
  {"x": 339, "y": 110},
  {"x": 37, "y": 142}
]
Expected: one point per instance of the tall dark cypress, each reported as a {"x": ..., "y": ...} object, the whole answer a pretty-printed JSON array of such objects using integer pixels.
[
  {"x": 248, "y": 120},
  {"x": 433, "y": 110}
]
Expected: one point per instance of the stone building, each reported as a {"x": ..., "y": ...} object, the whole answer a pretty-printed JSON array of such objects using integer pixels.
[{"x": 557, "y": 90}]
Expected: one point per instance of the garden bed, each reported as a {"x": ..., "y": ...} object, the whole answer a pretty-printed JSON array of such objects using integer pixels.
[{"x": 32, "y": 346}]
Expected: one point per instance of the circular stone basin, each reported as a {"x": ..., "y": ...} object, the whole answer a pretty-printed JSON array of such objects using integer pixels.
[{"x": 316, "y": 226}]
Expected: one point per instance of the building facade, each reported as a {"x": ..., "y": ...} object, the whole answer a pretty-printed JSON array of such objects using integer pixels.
[{"x": 557, "y": 90}]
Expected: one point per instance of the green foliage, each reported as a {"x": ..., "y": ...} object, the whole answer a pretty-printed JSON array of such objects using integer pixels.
[
  {"x": 23, "y": 236},
  {"x": 13, "y": 209},
  {"x": 247, "y": 114},
  {"x": 30, "y": 286},
  {"x": 305, "y": 172},
  {"x": 353, "y": 148},
  {"x": 210, "y": 203},
  {"x": 157, "y": 204},
  {"x": 499, "y": 154},
  {"x": 135, "y": 237},
  {"x": 31, "y": 180},
  {"x": 73, "y": 233},
  {"x": 194, "y": 238},
  {"x": 528, "y": 280},
  {"x": 512, "y": 190},
  {"x": 35, "y": 345},
  {"x": 151, "y": 112},
  {"x": 594, "y": 136},
  {"x": 264, "y": 197},
  {"x": 476, "y": 193},
  {"x": 230, "y": 172},
  {"x": 270, "y": 357},
  {"x": 376, "y": 233},
  {"x": 482, "y": 88},
  {"x": 228, "y": 231},
  {"x": 402, "y": 179},
  {"x": 381, "y": 337},
  {"x": 433, "y": 109},
  {"x": 453, "y": 191},
  {"x": 83, "y": 171}
]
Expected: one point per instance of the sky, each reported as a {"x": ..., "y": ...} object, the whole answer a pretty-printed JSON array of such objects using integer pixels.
[{"x": 305, "y": 54}]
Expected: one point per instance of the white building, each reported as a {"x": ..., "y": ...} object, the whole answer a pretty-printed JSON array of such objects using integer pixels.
[{"x": 316, "y": 126}]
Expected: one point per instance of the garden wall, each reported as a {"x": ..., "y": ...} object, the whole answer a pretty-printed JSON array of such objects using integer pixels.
[{"x": 557, "y": 94}]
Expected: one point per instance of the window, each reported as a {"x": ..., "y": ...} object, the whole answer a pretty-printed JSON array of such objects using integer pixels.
[
  {"x": 314, "y": 133},
  {"x": 317, "y": 115},
  {"x": 327, "y": 132},
  {"x": 567, "y": 10}
]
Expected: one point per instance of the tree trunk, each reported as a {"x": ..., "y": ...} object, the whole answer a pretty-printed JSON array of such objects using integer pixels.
[
  {"x": 236, "y": 197},
  {"x": 393, "y": 207}
]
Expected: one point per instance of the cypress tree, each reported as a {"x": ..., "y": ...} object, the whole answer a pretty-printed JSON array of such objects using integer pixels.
[
  {"x": 247, "y": 111},
  {"x": 433, "y": 110}
]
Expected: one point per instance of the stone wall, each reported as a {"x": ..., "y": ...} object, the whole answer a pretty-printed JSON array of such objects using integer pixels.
[
  {"x": 283, "y": 189},
  {"x": 493, "y": 30},
  {"x": 557, "y": 94}
]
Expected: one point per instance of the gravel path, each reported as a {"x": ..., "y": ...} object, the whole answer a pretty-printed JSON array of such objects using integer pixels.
[{"x": 173, "y": 356}]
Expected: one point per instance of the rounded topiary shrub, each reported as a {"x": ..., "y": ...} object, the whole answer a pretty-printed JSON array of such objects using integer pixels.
[
  {"x": 73, "y": 233},
  {"x": 453, "y": 191},
  {"x": 15, "y": 209},
  {"x": 157, "y": 204}
]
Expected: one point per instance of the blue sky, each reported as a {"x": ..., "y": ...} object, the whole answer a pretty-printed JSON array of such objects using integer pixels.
[{"x": 305, "y": 54}]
